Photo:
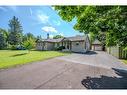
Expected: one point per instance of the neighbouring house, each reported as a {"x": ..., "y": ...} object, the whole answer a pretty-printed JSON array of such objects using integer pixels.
[
  {"x": 96, "y": 45},
  {"x": 74, "y": 44}
]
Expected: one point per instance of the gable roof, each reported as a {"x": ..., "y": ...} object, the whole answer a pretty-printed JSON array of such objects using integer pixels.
[
  {"x": 54, "y": 40},
  {"x": 97, "y": 42},
  {"x": 74, "y": 38}
]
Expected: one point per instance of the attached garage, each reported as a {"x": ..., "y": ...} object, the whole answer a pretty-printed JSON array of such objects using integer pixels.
[{"x": 96, "y": 45}]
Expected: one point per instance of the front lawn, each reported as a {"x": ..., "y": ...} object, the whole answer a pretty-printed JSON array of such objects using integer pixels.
[{"x": 9, "y": 58}]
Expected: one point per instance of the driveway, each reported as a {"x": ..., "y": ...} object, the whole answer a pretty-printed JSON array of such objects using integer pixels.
[{"x": 94, "y": 70}]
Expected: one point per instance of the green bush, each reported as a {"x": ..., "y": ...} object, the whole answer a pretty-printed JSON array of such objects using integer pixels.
[
  {"x": 60, "y": 48},
  {"x": 13, "y": 47},
  {"x": 125, "y": 49}
]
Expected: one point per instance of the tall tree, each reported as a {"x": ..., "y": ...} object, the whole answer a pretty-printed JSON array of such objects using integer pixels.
[
  {"x": 97, "y": 19},
  {"x": 15, "y": 32}
]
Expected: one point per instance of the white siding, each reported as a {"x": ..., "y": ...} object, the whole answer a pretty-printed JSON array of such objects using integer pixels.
[
  {"x": 39, "y": 46},
  {"x": 78, "y": 46},
  {"x": 49, "y": 46}
]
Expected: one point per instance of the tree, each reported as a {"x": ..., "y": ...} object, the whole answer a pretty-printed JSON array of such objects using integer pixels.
[
  {"x": 15, "y": 32},
  {"x": 29, "y": 41},
  {"x": 3, "y": 38},
  {"x": 29, "y": 44},
  {"x": 2, "y": 41},
  {"x": 102, "y": 38},
  {"x": 38, "y": 38},
  {"x": 28, "y": 36},
  {"x": 4, "y": 32},
  {"x": 110, "y": 20},
  {"x": 57, "y": 36}
]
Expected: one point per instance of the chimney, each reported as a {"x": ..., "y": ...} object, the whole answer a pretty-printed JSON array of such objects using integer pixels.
[{"x": 47, "y": 35}]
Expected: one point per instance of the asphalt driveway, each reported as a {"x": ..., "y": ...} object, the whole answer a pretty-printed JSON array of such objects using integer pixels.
[{"x": 94, "y": 70}]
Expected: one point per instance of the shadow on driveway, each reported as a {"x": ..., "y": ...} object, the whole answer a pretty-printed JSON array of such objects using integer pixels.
[
  {"x": 88, "y": 53},
  {"x": 91, "y": 53},
  {"x": 106, "y": 82}
]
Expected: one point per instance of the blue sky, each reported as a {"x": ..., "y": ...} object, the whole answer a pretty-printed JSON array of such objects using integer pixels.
[{"x": 38, "y": 20}]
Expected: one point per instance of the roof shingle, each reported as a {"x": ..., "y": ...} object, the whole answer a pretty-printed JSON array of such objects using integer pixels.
[{"x": 74, "y": 38}]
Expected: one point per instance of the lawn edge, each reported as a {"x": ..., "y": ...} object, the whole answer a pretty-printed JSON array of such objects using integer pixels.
[{"x": 19, "y": 65}]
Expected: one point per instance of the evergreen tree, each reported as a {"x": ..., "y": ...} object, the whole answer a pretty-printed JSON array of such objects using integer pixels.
[{"x": 15, "y": 32}]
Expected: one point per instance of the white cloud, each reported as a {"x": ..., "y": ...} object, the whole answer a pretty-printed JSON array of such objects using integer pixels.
[
  {"x": 42, "y": 18},
  {"x": 49, "y": 29}
]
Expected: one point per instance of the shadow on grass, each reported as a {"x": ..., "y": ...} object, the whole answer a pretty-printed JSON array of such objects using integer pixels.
[
  {"x": 19, "y": 54},
  {"x": 106, "y": 82}
]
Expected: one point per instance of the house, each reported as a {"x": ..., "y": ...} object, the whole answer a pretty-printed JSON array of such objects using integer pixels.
[
  {"x": 96, "y": 45},
  {"x": 74, "y": 44}
]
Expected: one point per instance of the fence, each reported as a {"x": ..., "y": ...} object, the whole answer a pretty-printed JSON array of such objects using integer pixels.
[{"x": 117, "y": 52}]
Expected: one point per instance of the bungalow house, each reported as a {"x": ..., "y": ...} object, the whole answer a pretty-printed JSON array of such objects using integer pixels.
[{"x": 74, "y": 44}]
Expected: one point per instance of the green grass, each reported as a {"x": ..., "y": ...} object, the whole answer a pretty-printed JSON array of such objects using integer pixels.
[
  {"x": 125, "y": 61},
  {"x": 10, "y": 58}
]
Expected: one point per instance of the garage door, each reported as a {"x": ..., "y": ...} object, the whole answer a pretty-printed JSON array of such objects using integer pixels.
[{"x": 98, "y": 48}]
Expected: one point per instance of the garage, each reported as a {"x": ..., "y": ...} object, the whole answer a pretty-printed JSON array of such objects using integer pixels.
[{"x": 96, "y": 45}]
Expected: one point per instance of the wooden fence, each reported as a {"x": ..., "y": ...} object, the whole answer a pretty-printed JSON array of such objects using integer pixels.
[{"x": 117, "y": 52}]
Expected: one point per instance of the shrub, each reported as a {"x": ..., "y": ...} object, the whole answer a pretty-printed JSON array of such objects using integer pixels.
[
  {"x": 125, "y": 49},
  {"x": 60, "y": 48}
]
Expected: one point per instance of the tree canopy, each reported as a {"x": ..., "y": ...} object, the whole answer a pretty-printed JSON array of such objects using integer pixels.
[
  {"x": 109, "y": 20},
  {"x": 29, "y": 41},
  {"x": 15, "y": 31},
  {"x": 57, "y": 36},
  {"x": 14, "y": 37}
]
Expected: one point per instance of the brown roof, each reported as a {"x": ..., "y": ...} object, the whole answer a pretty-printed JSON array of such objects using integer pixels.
[
  {"x": 96, "y": 42},
  {"x": 53, "y": 40},
  {"x": 74, "y": 38}
]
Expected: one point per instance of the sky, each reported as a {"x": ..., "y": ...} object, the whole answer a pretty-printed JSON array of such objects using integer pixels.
[{"x": 38, "y": 20}]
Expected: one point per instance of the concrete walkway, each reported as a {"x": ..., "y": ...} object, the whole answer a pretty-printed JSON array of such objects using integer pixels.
[{"x": 94, "y": 70}]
